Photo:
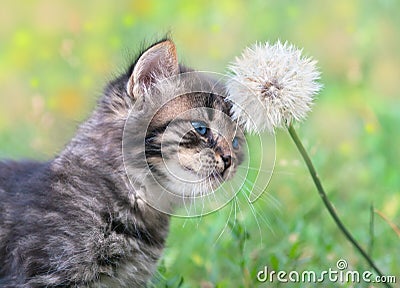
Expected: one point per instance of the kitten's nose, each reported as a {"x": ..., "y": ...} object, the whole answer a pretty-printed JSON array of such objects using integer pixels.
[{"x": 227, "y": 161}]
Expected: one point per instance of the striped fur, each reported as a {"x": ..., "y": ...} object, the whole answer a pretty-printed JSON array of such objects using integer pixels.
[{"x": 78, "y": 220}]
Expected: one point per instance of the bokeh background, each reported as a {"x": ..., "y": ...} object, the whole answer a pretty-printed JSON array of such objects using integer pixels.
[{"x": 56, "y": 56}]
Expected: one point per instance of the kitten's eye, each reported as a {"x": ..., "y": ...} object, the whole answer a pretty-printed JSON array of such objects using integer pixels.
[
  {"x": 235, "y": 143},
  {"x": 200, "y": 127}
]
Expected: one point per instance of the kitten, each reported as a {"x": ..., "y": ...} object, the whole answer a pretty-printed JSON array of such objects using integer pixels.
[{"x": 92, "y": 217}]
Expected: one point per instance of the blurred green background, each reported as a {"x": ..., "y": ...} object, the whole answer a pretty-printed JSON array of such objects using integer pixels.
[{"x": 55, "y": 57}]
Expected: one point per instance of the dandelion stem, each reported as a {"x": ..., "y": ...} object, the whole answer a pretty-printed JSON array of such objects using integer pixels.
[{"x": 327, "y": 203}]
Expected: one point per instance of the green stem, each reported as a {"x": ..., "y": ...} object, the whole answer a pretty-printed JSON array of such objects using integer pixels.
[
  {"x": 327, "y": 203},
  {"x": 371, "y": 230}
]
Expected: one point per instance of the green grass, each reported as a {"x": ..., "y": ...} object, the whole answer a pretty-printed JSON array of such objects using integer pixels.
[{"x": 56, "y": 55}]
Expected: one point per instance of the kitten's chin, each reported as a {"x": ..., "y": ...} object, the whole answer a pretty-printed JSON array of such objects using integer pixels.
[
  {"x": 167, "y": 196},
  {"x": 185, "y": 189},
  {"x": 184, "y": 181},
  {"x": 170, "y": 192}
]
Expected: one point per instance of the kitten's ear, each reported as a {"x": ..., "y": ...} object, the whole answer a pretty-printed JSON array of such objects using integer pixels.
[{"x": 158, "y": 62}]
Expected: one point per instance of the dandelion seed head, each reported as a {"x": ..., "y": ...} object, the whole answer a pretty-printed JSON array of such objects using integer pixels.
[{"x": 272, "y": 85}]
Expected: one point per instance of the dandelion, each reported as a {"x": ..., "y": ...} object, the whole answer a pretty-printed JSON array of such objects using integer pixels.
[{"x": 272, "y": 85}]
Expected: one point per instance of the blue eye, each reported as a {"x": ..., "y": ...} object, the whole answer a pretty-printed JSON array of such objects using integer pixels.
[
  {"x": 235, "y": 143},
  {"x": 200, "y": 127}
]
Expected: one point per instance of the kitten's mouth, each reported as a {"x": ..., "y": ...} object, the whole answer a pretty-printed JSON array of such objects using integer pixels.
[
  {"x": 207, "y": 167},
  {"x": 206, "y": 174},
  {"x": 215, "y": 176}
]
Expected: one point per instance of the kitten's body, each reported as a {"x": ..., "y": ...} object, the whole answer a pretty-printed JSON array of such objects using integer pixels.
[{"x": 76, "y": 221}]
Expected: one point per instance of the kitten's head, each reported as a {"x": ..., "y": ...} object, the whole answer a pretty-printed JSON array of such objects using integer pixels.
[{"x": 179, "y": 133}]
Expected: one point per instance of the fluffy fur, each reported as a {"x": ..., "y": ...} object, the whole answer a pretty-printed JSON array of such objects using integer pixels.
[{"x": 83, "y": 219}]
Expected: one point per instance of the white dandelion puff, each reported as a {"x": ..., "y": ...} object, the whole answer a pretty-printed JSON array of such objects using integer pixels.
[{"x": 272, "y": 85}]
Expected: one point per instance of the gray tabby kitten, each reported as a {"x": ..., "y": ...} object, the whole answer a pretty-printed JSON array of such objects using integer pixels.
[{"x": 79, "y": 220}]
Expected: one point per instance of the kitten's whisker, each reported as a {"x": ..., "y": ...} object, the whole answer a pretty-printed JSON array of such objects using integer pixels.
[
  {"x": 232, "y": 188},
  {"x": 256, "y": 169},
  {"x": 258, "y": 190},
  {"x": 241, "y": 213},
  {"x": 219, "y": 184},
  {"x": 221, "y": 181},
  {"x": 274, "y": 171},
  {"x": 271, "y": 199},
  {"x": 265, "y": 220},
  {"x": 193, "y": 195},
  {"x": 255, "y": 217},
  {"x": 251, "y": 184},
  {"x": 236, "y": 203},
  {"x": 204, "y": 184},
  {"x": 225, "y": 226},
  {"x": 263, "y": 194}
]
